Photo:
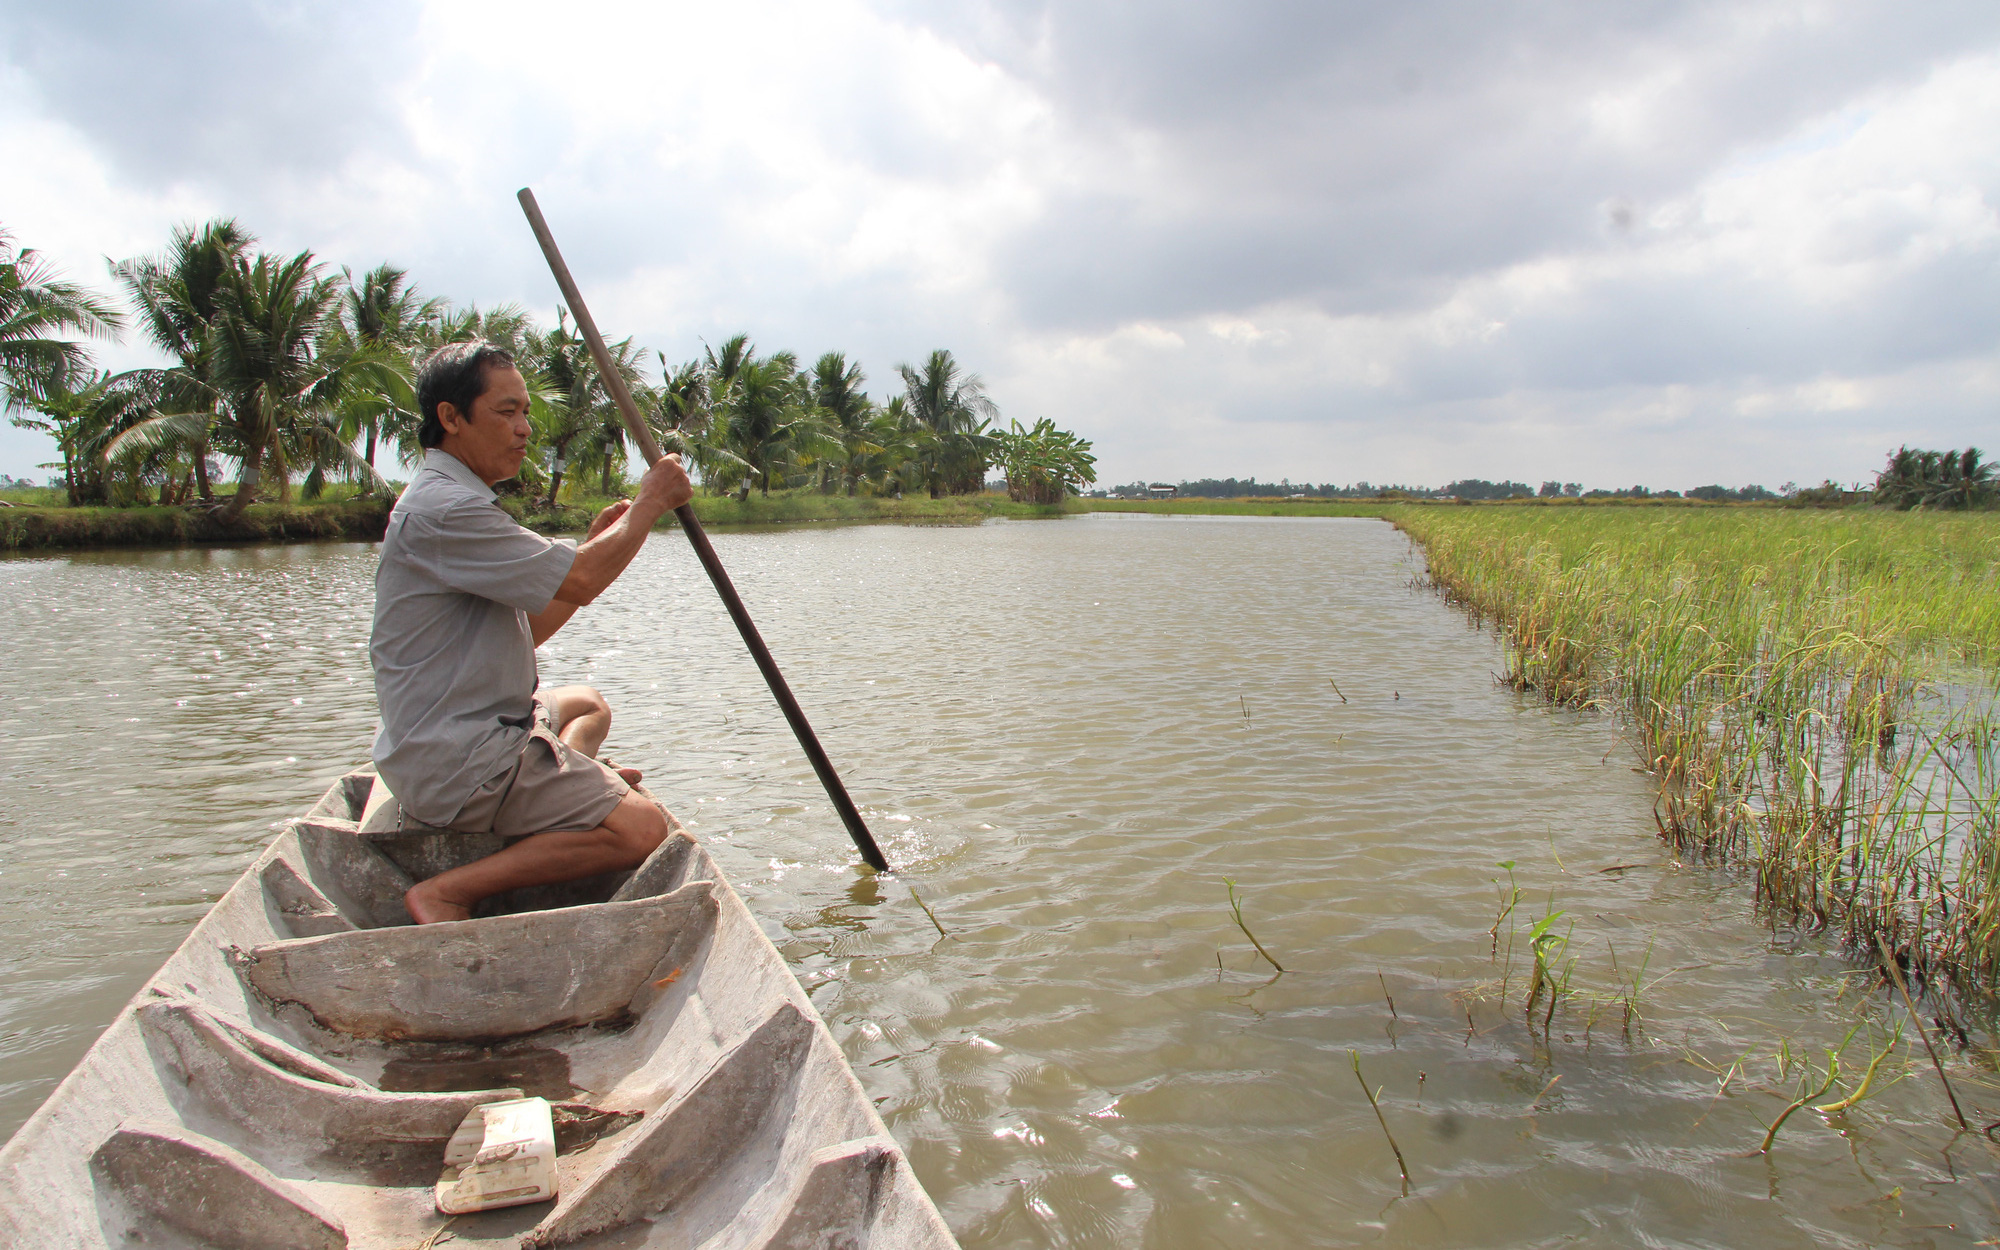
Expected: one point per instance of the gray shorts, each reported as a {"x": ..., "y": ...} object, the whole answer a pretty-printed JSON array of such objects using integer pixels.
[{"x": 552, "y": 787}]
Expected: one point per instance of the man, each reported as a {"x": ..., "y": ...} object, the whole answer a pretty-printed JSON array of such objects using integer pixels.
[{"x": 463, "y": 596}]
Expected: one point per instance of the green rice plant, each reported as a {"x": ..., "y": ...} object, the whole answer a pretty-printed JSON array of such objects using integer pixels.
[
  {"x": 1816, "y": 696},
  {"x": 1510, "y": 897},
  {"x": 1402, "y": 1168},
  {"x": 1630, "y": 999},
  {"x": 1552, "y": 979},
  {"x": 1236, "y": 910},
  {"x": 1867, "y": 1085},
  {"x": 1806, "y": 1090},
  {"x": 1547, "y": 946},
  {"x": 932, "y": 916}
]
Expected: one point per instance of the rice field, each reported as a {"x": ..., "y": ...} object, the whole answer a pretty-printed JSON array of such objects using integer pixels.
[{"x": 1813, "y": 692}]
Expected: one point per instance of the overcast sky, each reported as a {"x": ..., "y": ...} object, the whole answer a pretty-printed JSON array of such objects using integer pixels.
[{"x": 1661, "y": 242}]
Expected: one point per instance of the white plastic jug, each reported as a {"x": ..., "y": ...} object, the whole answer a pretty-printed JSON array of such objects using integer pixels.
[{"x": 503, "y": 1155}]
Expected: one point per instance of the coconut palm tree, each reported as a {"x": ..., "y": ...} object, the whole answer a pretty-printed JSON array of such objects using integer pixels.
[
  {"x": 132, "y": 399},
  {"x": 382, "y": 326},
  {"x": 953, "y": 405},
  {"x": 1933, "y": 479},
  {"x": 723, "y": 366},
  {"x": 176, "y": 293},
  {"x": 47, "y": 383},
  {"x": 267, "y": 393},
  {"x": 84, "y": 413},
  {"x": 680, "y": 406},
  {"x": 278, "y": 393},
  {"x": 683, "y": 416},
  {"x": 604, "y": 443},
  {"x": 565, "y": 391},
  {"x": 38, "y": 311},
  {"x": 607, "y": 445},
  {"x": 757, "y": 415},
  {"x": 764, "y": 416},
  {"x": 837, "y": 393},
  {"x": 1966, "y": 481},
  {"x": 889, "y": 455},
  {"x": 507, "y": 326}
]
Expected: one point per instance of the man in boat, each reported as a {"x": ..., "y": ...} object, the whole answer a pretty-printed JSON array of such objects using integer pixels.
[{"x": 463, "y": 596}]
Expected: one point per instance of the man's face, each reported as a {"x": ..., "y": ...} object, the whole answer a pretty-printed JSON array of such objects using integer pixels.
[{"x": 492, "y": 439}]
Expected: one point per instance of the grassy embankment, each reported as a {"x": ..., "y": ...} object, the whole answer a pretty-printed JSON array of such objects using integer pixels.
[
  {"x": 33, "y": 528},
  {"x": 1815, "y": 693},
  {"x": 39, "y": 521},
  {"x": 794, "y": 507}
]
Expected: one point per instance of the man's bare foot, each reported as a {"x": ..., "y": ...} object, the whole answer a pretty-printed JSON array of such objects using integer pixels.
[
  {"x": 427, "y": 906},
  {"x": 631, "y": 775}
]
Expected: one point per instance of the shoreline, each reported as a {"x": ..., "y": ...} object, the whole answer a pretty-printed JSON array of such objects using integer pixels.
[{"x": 30, "y": 527}]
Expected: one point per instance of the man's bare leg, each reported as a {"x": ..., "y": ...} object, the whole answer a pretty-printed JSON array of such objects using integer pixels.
[
  {"x": 633, "y": 830},
  {"x": 583, "y": 719}
]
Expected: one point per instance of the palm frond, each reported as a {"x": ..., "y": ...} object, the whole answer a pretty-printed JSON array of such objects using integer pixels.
[{"x": 162, "y": 432}]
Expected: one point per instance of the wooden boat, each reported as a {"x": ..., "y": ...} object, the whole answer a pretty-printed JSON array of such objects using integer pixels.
[{"x": 292, "y": 1075}]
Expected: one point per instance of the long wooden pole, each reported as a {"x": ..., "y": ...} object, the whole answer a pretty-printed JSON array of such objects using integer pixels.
[{"x": 698, "y": 538}]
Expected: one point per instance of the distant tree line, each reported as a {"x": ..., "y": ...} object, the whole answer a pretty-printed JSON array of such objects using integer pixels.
[
  {"x": 1239, "y": 488},
  {"x": 282, "y": 370},
  {"x": 1912, "y": 479},
  {"x": 1722, "y": 494},
  {"x": 1480, "y": 488},
  {"x": 1471, "y": 488},
  {"x": 1476, "y": 488}
]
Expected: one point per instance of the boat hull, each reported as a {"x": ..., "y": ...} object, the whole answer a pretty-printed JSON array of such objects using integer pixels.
[{"x": 293, "y": 1072}]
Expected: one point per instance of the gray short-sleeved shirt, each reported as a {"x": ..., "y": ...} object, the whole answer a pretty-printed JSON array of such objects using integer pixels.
[{"x": 453, "y": 654}]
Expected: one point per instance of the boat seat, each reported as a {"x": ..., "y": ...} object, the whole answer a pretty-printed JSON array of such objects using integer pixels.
[
  {"x": 347, "y": 798},
  {"x": 301, "y": 907},
  {"x": 837, "y": 1202},
  {"x": 489, "y": 978},
  {"x": 214, "y": 1194},
  {"x": 293, "y": 1110},
  {"x": 732, "y": 1111}
]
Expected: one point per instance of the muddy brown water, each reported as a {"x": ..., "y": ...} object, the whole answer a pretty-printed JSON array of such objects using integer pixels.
[{"x": 1068, "y": 735}]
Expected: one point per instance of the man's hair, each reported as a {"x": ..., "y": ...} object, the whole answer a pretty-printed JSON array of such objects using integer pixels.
[{"x": 454, "y": 374}]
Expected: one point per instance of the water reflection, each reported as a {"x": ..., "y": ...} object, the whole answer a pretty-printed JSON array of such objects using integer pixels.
[{"x": 1067, "y": 735}]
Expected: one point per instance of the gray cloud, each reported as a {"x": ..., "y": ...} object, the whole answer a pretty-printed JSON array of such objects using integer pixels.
[
  {"x": 1357, "y": 154},
  {"x": 218, "y": 90}
]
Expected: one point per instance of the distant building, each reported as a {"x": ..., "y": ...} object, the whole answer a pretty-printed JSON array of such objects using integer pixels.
[{"x": 1162, "y": 490}]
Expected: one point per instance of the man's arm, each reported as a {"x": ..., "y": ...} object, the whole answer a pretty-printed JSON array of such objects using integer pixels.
[
  {"x": 607, "y": 550},
  {"x": 544, "y": 624}
]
